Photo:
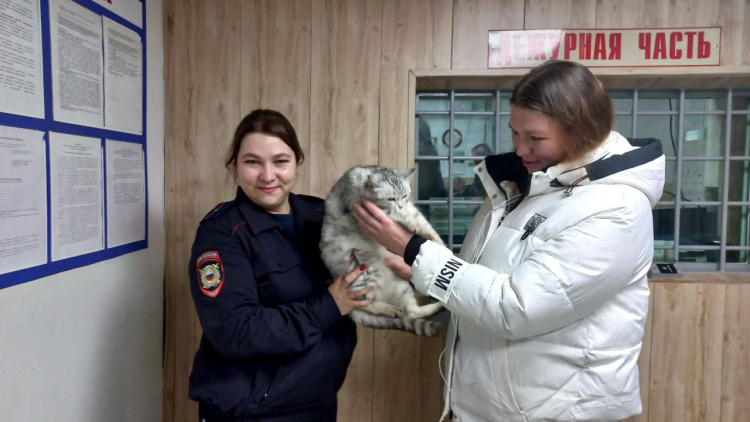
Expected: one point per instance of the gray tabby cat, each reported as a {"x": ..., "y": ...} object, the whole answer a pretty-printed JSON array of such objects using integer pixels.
[{"x": 395, "y": 304}]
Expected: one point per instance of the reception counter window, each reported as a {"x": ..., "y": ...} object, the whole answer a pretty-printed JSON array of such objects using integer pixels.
[{"x": 701, "y": 221}]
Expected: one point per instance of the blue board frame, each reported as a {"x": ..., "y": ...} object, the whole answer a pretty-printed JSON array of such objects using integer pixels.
[{"x": 48, "y": 124}]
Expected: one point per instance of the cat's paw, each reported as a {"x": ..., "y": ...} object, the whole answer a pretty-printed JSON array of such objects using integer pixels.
[
  {"x": 423, "y": 327},
  {"x": 431, "y": 328}
]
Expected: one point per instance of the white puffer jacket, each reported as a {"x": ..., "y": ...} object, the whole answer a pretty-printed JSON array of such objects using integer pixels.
[{"x": 550, "y": 296}]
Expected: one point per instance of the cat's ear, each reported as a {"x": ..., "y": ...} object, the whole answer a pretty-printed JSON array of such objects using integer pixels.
[
  {"x": 404, "y": 173},
  {"x": 369, "y": 183}
]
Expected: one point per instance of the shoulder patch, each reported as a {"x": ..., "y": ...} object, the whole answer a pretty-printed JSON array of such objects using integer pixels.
[
  {"x": 216, "y": 211},
  {"x": 210, "y": 271}
]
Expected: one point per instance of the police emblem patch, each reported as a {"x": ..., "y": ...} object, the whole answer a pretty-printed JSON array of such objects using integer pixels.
[
  {"x": 532, "y": 224},
  {"x": 210, "y": 273}
]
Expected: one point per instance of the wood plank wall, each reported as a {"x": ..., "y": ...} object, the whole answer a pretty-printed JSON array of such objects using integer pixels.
[{"x": 339, "y": 70}]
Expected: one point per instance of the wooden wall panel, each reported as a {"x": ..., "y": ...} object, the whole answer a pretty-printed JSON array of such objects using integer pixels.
[
  {"x": 275, "y": 66},
  {"x": 545, "y": 14},
  {"x": 339, "y": 69},
  {"x": 416, "y": 34},
  {"x": 686, "y": 354},
  {"x": 644, "y": 361},
  {"x": 735, "y": 387},
  {"x": 471, "y": 21},
  {"x": 728, "y": 14},
  {"x": 345, "y": 77},
  {"x": 202, "y": 104},
  {"x": 632, "y": 13}
]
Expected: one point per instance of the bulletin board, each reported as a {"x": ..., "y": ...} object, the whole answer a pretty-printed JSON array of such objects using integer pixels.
[{"x": 73, "y": 179}]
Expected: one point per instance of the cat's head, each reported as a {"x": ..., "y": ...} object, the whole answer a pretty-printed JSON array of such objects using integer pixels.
[{"x": 388, "y": 189}]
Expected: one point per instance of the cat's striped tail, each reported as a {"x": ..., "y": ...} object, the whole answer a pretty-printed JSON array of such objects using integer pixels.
[{"x": 418, "y": 326}]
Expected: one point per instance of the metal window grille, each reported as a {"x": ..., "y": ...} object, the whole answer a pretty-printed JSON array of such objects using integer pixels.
[{"x": 707, "y": 202}]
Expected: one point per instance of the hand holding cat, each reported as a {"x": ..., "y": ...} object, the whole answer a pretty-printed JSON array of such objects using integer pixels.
[
  {"x": 397, "y": 264},
  {"x": 381, "y": 228},
  {"x": 347, "y": 300}
]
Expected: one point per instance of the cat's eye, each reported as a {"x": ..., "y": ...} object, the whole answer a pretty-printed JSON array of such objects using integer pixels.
[
  {"x": 392, "y": 199},
  {"x": 405, "y": 196}
]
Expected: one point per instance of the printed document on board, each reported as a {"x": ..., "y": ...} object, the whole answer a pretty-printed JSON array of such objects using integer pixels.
[
  {"x": 77, "y": 66},
  {"x": 126, "y": 193},
  {"x": 76, "y": 190},
  {"x": 123, "y": 80},
  {"x": 21, "y": 86},
  {"x": 23, "y": 199}
]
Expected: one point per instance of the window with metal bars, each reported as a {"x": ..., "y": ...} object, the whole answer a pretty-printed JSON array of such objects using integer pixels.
[{"x": 701, "y": 221}]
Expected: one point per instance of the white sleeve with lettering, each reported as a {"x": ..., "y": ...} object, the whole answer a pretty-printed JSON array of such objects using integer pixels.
[{"x": 568, "y": 277}]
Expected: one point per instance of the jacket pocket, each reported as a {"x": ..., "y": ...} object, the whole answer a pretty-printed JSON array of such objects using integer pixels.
[{"x": 274, "y": 262}]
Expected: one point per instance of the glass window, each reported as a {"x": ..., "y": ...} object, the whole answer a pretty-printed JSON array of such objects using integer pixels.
[
  {"x": 434, "y": 102},
  {"x": 656, "y": 100},
  {"x": 703, "y": 136},
  {"x": 624, "y": 125},
  {"x": 737, "y": 225},
  {"x": 739, "y": 139},
  {"x": 663, "y": 255},
  {"x": 463, "y": 214},
  {"x": 700, "y": 225},
  {"x": 506, "y": 143},
  {"x": 473, "y": 131},
  {"x": 699, "y": 256},
  {"x": 430, "y": 129},
  {"x": 670, "y": 181},
  {"x": 478, "y": 102},
  {"x": 706, "y": 100},
  {"x": 664, "y": 225},
  {"x": 622, "y": 100},
  {"x": 702, "y": 180},
  {"x": 739, "y": 173},
  {"x": 738, "y": 257},
  {"x": 694, "y": 140},
  {"x": 665, "y": 128},
  {"x": 741, "y": 100},
  {"x": 505, "y": 102},
  {"x": 430, "y": 182}
]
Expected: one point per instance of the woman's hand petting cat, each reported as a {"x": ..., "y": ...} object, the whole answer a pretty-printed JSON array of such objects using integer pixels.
[
  {"x": 376, "y": 224},
  {"x": 347, "y": 300},
  {"x": 397, "y": 264}
]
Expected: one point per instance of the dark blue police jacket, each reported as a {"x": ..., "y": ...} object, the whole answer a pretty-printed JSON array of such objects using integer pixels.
[{"x": 274, "y": 341}]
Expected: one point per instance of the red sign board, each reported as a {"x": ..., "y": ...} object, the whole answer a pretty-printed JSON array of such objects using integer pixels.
[{"x": 606, "y": 47}]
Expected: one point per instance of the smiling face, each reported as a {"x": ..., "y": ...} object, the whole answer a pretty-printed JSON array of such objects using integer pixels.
[
  {"x": 266, "y": 171},
  {"x": 537, "y": 139}
]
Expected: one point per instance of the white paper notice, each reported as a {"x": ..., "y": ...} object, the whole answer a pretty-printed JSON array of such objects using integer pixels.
[
  {"x": 126, "y": 193},
  {"x": 23, "y": 199},
  {"x": 131, "y": 10},
  {"x": 21, "y": 86},
  {"x": 77, "y": 198},
  {"x": 77, "y": 67},
  {"x": 123, "y": 89}
]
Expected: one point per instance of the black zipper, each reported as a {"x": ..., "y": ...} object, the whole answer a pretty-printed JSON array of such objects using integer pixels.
[{"x": 270, "y": 384}]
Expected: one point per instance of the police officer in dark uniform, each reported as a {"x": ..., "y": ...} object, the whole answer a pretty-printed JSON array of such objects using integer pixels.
[{"x": 275, "y": 344}]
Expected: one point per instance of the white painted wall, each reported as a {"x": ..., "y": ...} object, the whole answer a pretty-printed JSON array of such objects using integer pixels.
[{"x": 86, "y": 345}]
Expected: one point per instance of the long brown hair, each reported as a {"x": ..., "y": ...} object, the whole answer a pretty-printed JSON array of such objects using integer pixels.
[{"x": 574, "y": 98}]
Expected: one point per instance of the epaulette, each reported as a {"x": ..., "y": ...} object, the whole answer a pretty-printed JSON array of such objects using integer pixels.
[
  {"x": 217, "y": 211},
  {"x": 317, "y": 204}
]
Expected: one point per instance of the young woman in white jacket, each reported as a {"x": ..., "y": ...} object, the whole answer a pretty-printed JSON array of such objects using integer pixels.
[{"x": 549, "y": 295}]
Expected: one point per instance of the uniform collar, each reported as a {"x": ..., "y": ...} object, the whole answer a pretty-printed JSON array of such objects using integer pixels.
[{"x": 259, "y": 220}]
